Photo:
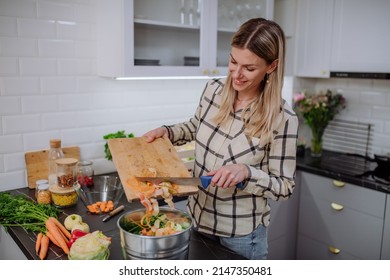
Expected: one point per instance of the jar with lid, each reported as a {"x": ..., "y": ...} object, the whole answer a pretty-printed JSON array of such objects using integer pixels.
[
  {"x": 55, "y": 152},
  {"x": 43, "y": 194},
  {"x": 67, "y": 172},
  {"x": 85, "y": 173},
  {"x": 39, "y": 182}
]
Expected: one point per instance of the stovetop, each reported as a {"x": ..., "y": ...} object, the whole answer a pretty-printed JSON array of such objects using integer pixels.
[{"x": 352, "y": 168}]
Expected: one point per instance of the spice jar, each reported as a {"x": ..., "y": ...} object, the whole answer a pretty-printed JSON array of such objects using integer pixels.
[
  {"x": 43, "y": 194},
  {"x": 66, "y": 172},
  {"x": 39, "y": 182},
  {"x": 85, "y": 173}
]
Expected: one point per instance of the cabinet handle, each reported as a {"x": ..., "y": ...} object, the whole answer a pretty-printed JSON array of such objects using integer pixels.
[
  {"x": 205, "y": 72},
  {"x": 337, "y": 207},
  {"x": 338, "y": 183},
  {"x": 215, "y": 72},
  {"x": 334, "y": 250}
]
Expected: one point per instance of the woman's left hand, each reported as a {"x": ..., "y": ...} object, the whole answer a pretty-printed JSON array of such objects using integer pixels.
[{"x": 229, "y": 175}]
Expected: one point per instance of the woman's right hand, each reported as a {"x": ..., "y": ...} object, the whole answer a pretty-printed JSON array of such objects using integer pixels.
[{"x": 155, "y": 133}]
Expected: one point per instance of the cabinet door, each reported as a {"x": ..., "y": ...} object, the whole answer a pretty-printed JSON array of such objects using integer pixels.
[
  {"x": 314, "y": 33},
  {"x": 361, "y": 41},
  {"x": 385, "y": 255},
  {"x": 282, "y": 231},
  {"x": 148, "y": 38},
  {"x": 230, "y": 15},
  {"x": 153, "y": 38},
  {"x": 339, "y": 218}
]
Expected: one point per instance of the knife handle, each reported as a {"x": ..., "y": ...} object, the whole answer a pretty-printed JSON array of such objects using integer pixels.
[{"x": 205, "y": 180}]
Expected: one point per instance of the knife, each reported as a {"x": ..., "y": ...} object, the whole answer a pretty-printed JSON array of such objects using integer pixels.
[
  {"x": 203, "y": 181},
  {"x": 113, "y": 213}
]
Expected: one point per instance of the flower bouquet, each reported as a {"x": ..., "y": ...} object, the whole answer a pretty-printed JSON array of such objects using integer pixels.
[{"x": 317, "y": 111}]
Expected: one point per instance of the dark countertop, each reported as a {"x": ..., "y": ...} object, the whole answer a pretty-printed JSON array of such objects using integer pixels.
[
  {"x": 201, "y": 248},
  {"x": 333, "y": 165},
  {"x": 351, "y": 169}
]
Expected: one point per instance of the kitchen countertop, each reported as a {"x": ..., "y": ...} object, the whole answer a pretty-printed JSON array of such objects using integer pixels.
[
  {"x": 343, "y": 167},
  {"x": 201, "y": 248},
  {"x": 334, "y": 165}
]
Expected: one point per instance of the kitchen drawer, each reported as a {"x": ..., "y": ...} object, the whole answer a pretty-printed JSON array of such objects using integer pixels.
[
  {"x": 361, "y": 199},
  {"x": 351, "y": 231},
  {"x": 309, "y": 249}
]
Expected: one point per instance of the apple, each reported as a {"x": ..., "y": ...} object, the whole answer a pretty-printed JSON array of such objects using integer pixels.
[{"x": 72, "y": 220}]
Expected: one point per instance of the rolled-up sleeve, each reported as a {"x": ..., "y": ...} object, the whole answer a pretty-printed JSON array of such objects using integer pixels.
[{"x": 275, "y": 180}]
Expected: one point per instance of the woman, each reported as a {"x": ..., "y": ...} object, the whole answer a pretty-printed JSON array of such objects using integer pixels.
[{"x": 244, "y": 132}]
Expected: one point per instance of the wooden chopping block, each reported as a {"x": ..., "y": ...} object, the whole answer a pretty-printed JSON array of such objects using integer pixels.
[
  {"x": 37, "y": 163},
  {"x": 136, "y": 157}
]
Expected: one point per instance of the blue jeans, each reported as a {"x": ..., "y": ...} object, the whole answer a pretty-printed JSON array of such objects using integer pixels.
[{"x": 253, "y": 246}]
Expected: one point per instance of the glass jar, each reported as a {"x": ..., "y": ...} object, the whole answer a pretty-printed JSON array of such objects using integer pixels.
[
  {"x": 67, "y": 172},
  {"x": 63, "y": 197},
  {"x": 85, "y": 173},
  {"x": 39, "y": 182},
  {"x": 55, "y": 152},
  {"x": 43, "y": 194}
]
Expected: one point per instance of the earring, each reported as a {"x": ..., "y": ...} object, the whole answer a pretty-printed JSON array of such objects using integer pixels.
[{"x": 267, "y": 78}]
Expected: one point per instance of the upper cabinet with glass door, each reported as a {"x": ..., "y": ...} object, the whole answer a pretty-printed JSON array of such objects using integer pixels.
[{"x": 167, "y": 38}]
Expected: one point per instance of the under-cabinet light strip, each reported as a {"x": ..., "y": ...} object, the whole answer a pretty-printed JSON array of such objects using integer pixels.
[{"x": 167, "y": 78}]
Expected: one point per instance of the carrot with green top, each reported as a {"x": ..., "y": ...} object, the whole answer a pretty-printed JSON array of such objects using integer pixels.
[
  {"x": 61, "y": 227},
  {"x": 38, "y": 242},
  {"x": 56, "y": 232},
  {"x": 44, "y": 247}
]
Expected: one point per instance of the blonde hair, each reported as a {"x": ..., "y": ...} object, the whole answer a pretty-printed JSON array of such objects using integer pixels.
[{"x": 265, "y": 39}]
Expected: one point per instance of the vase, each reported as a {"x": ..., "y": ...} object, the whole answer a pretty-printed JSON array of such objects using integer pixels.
[{"x": 316, "y": 142}]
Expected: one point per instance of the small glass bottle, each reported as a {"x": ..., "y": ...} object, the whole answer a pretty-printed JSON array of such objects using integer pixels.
[
  {"x": 66, "y": 172},
  {"x": 43, "y": 194},
  {"x": 85, "y": 173},
  {"x": 55, "y": 152}
]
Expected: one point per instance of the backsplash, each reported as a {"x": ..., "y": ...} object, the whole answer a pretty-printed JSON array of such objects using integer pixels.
[
  {"x": 367, "y": 101},
  {"x": 49, "y": 89}
]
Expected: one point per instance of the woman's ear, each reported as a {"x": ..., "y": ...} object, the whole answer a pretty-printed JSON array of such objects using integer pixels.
[{"x": 273, "y": 66}]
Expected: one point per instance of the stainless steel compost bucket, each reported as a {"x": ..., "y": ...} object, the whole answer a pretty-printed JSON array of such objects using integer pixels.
[{"x": 139, "y": 247}]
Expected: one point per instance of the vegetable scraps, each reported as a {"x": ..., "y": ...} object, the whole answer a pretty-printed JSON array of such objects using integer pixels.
[{"x": 118, "y": 134}]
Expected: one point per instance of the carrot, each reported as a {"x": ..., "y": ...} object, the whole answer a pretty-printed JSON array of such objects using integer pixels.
[
  {"x": 61, "y": 227},
  {"x": 56, "y": 232},
  {"x": 38, "y": 243},
  {"x": 44, "y": 247},
  {"x": 52, "y": 239}
]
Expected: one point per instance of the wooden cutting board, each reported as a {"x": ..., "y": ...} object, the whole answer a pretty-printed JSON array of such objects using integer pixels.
[
  {"x": 37, "y": 163},
  {"x": 135, "y": 157}
]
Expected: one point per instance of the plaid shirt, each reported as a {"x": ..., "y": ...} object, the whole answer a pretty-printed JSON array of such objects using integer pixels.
[{"x": 235, "y": 212}]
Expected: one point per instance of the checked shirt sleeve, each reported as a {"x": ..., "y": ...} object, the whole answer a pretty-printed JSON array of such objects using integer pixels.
[{"x": 275, "y": 180}]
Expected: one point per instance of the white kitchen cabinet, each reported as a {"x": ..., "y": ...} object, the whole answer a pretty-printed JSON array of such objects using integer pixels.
[
  {"x": 152, "y": 38},
  {"x": 360, "y": 36},
  {"x": 282, "y": 230},
  {"x": 9, "y": 250},
  {"x": 314, "y": 38},
  {"x": 342, "y": 36},
  {"x": 385, "y": 254},
  {"x": 339, "y": 222}
]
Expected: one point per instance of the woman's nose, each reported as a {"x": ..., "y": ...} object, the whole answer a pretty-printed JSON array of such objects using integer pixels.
[{"x": 236, "y": 72}]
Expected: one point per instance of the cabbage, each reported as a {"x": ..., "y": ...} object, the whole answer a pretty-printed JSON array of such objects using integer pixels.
[{"x": 92, "y": 246}]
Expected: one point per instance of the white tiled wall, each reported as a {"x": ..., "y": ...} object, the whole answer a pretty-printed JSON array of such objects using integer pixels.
[
  {"x": 49, "y": 87},
  {"x": 367, "y": 101}
]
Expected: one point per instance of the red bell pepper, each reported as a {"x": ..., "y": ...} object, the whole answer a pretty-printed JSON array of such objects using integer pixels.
[{"x": 77, "y": 233}]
